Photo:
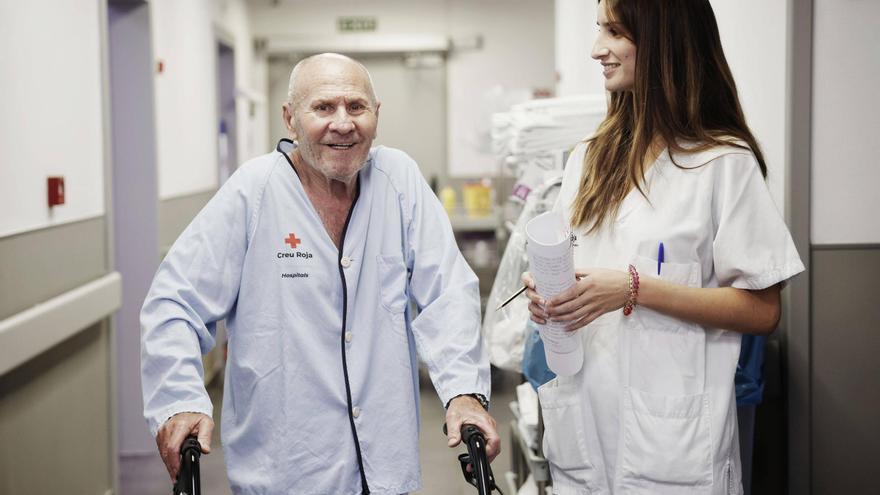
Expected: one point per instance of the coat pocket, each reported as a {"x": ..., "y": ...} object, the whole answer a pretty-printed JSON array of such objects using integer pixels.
[
  {"x": 667, "y": 356},
  {"x": 565, "y": 441},
  {"x": 685, "y": 274},
  {"x": 667, "y": 361},
  {"x": 667, "y": 445}
]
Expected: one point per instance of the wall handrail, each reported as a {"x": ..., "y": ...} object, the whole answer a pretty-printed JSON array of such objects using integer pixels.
[{"x": 28, "y": 333}]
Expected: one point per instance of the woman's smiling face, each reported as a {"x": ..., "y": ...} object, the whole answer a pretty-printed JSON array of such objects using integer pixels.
[{"x": 615, "y": 51}]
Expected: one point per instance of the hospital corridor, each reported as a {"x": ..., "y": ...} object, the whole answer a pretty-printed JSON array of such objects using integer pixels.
[{"x": 439, "y": 247}]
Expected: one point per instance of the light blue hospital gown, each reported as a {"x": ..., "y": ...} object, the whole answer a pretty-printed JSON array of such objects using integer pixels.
[{"x": 321, "y": 380}]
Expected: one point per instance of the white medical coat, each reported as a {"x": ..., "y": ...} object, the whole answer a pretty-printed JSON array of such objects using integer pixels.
[
  {"x": 321, "y": 378},
  {"x": 653, "y": 409}
]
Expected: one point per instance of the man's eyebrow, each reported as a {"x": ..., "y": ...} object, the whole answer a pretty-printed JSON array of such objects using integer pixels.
[
  {"x": 335, "y": 101},
  {"x": 323, "y": 101}
]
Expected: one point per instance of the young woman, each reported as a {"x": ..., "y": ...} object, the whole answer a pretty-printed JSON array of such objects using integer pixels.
[{"x": 679, "y": 251}]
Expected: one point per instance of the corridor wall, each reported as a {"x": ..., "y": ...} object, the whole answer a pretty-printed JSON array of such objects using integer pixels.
[
  {"x": 185, "y": 39},
  {"x": 844, "y": 380},
  {"x": 55, "y": 406}
]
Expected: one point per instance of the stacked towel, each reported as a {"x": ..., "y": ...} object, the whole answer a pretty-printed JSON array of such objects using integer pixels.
[{"x": 530, "y": 133}]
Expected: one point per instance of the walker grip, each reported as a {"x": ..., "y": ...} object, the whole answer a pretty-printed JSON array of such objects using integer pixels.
[{"x": 188, "y": 480}]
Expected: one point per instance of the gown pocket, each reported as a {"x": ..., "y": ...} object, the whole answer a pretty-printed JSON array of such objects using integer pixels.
[
  {"x": 392, "y": 283},
  {"x": 565, "y": 441},
  {"x": 392, "y": 280},
  {"x": 666, "y": 444}
]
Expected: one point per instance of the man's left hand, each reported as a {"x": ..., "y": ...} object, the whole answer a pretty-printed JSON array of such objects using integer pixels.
[{"x": 465, "y": 409}]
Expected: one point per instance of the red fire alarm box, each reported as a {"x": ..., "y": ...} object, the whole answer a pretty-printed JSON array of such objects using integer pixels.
[{"x": 56, "y": 191}]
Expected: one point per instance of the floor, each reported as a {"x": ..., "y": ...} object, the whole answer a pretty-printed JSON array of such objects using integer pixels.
[{"x": 441, "y": 473}]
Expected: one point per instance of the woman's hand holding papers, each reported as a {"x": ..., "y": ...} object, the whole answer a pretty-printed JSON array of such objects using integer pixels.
[{"x": 596, "y": 292}]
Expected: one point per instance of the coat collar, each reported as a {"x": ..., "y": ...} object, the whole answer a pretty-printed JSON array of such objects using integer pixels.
[{"x": 700, "y": 158}]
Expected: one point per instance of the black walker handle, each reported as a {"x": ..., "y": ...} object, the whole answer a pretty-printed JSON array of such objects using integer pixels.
[
  {"x": 188, "y": 480},
  {"x": 481, "y": 476}
]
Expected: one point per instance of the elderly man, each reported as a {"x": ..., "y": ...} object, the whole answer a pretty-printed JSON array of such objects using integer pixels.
[{"x": 313, "y": 254}]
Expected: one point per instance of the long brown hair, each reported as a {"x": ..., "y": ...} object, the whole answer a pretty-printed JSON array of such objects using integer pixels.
[{"x": 683, "y": 90}]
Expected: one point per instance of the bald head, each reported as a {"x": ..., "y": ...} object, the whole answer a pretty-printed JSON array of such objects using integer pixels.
[
  {"x": 332, "y": 115},
  {"x": 308, "y": 67}
]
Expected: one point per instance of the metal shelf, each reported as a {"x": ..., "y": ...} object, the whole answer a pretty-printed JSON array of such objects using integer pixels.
[{"x": 463, "y": 223}]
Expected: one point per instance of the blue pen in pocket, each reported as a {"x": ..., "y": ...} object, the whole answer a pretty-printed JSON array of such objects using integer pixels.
[{"x": 659, "y": 258}]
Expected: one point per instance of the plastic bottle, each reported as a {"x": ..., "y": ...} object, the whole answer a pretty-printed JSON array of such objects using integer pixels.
[{"x": 449, "y": 200}]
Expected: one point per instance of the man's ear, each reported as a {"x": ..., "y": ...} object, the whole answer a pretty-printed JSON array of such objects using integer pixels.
[
  {"x": 376, "y": 112},
  {"x": 287, "y": 117}
]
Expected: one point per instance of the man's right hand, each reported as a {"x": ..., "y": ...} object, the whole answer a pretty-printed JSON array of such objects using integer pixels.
[{"x": 172, "y": 434}]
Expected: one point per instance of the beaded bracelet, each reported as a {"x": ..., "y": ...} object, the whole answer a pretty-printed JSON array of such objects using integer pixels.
[{"x": 633, "y": 291}]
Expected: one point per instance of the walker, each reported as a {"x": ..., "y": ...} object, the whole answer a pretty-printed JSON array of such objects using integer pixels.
[{"x": 189, "y": 483}]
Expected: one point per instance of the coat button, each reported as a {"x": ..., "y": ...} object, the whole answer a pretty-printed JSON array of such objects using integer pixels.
[
  {"x": 348, "y": 336},
  {"x": 345, "y": 262},
  {"x": 355, "y": 411}
]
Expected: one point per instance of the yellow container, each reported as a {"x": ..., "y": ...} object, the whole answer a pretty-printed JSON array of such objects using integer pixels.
[
  {"x": 449, "y": 200},
  {"x": 477, "y": 199}
]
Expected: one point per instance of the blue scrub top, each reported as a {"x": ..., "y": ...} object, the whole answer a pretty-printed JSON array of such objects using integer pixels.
[{"x": 749, "y": 378}]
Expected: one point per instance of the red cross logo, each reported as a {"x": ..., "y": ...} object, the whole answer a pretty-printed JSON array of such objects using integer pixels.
[{"x": 292, "y": 240}]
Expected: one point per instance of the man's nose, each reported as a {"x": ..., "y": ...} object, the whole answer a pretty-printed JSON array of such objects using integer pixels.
[{"x": 342, "y": 122}]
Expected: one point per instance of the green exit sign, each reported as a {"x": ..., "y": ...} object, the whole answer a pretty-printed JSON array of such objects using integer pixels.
[{"x": 356, "y": 24}]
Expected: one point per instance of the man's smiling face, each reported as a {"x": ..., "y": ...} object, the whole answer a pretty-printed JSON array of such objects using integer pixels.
[{"x": 333, "y": 117}]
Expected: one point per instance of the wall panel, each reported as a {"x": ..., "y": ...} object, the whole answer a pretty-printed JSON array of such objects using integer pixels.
[
  {"x": 44, "y": 263},
  {"x": 52, "y": 121},
  {"x": 845, "y": 393},
  {"x": 176, "y": 213},
  {"x": 846, "y": 117},
  {"x": 55, "y": 419}
]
